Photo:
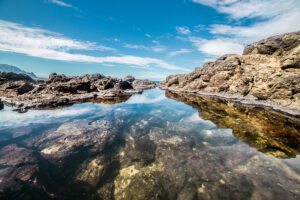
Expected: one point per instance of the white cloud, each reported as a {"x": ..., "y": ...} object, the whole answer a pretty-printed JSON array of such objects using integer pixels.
[
  {"x": 238, "y": 9},
  {"x": 178, "y": 52},
  {"x": 183, "y": 30},
  {"x": 61, "y": 3},
  {"x": 45, "y": 44},
  {"x": 135, "y": 46},
  {"x": 288, "y": 22},
  {"x": 217, "y": 47},
  {"x": 157, "y": 48},
  {"x": 148, "y": 35},
  {"x": 273, "y": 17}
]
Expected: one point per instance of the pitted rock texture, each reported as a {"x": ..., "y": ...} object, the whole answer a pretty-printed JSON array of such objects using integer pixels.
[
  {"x": 24, "y": 92},
  {"x": 267, "y": 73}
]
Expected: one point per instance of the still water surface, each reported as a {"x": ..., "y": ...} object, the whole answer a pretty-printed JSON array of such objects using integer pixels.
[{"x": 158, "y": 145}]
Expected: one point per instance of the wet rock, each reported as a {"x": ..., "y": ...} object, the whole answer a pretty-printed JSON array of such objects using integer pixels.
[
  {"x": 267, "y": 74},
  {"x": 1, "y": 105}
]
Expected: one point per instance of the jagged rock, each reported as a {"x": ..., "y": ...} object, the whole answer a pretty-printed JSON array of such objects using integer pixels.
[
  {"x": 59, "y": 90},
  {"x": 267, "y": 73}
]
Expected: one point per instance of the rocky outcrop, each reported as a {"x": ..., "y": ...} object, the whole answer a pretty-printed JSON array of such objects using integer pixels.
[
  {"x": 24, "y": 92},
  {"x": 267, "y": 73}
]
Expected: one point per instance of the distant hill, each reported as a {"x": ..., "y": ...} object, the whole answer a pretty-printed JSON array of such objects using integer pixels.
[{"x": 10, "y": 68}]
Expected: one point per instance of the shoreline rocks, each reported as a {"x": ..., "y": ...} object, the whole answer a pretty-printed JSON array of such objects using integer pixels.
[
  {"x": 26, "y": 93},
  {"x": 267, "y": 74}
]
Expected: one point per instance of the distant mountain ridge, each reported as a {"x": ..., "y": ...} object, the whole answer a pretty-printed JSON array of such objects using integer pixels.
[{"x": 10, "y": 68}]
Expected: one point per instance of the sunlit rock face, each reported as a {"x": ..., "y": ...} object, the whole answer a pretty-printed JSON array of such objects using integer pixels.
[
  {"x": 159, "y": 149},
  {"x": 267, "y": 131},
  {"x": 267, "y": 73}
]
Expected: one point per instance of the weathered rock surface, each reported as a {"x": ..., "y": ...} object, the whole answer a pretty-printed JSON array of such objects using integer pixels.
[
  {"x": 22, "y": 91},
  {"x": 268, "y": 73}
]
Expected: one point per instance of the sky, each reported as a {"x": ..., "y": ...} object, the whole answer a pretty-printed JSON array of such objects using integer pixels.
[{"x": 144, "y": 38}]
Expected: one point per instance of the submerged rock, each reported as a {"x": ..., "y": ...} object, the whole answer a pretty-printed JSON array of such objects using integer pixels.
[
  {"x": 269, "y": 132},
  {"x": 22, "y": 91},
  {"x": 267, "y": 73}
]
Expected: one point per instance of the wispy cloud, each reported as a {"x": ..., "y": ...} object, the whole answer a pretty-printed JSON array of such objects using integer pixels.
[
  {"x": 178, "y": 52},
  {"x": 183, "y": 30},
  {"x": 156, "y": 48},
  {"x": 272, "y": 17},
  {"x": 61, "y": 3},
  {"x": 41, "y": 43},
  {"x": 238, "y": 9},
  {"x": 135, "y": 46}
]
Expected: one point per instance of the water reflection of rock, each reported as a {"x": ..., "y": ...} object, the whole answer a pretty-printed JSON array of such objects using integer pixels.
[
  {"x": 267, "y": 131},
  {"x": 124, "y": 153},
  {"x": 108, "y": 100}
]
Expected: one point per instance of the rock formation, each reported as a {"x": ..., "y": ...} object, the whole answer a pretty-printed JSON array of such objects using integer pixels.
[
  {"x": 24, "y": 92},
  {"x": 268, "y": 73}
]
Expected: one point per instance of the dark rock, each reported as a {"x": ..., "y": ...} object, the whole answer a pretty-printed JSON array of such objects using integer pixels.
[
  {"x": 124, "y": 85},
  {"x": 26, "y": 87},
  {"x": 129, "y": 78},
  {"x": 1, "y": 105}
]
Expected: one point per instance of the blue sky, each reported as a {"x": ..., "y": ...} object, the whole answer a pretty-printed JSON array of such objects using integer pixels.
[{"x": 145, "y": 38}]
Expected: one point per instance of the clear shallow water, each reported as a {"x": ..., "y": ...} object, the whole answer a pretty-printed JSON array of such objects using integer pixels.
[{"x": 152, "y": 146}]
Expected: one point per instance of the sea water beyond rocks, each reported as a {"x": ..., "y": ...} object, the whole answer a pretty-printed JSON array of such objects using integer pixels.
[{"x": 268, "y": 74}]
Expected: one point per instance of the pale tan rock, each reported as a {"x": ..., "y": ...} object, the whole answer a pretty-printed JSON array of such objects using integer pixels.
[{"x": 268, "y": 72}]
